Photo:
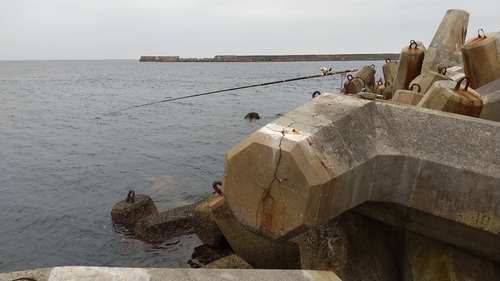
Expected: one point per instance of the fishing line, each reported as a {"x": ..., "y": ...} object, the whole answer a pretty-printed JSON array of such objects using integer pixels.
[{"x": 325, "y": 72}]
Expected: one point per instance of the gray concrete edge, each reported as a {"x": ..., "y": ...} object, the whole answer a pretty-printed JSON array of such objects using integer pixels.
[{"x": 179, "y": 274}]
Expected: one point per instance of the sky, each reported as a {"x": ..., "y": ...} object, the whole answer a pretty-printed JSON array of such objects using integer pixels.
[{"x": 126, "y": 29}]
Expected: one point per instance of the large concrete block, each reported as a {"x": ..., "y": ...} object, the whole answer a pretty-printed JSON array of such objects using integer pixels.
[
  {"x": 165, "y": 225},
  {"x": 132, "y": 209},
  {"x": 481, "y": 56},
  {"x": 426, "y": 79},
  {"x": 259, "y": 252},
  {"x": 337, "y": 152},
  {"x": 204, "y": 224},
  {"x": 428, "y": 259},
  {"x": 410, "y": 65},
  {"x": 352, "y": 246},
  {"x": 452, "y": 97},
  {"x": 490, "y": 93},
  {"x": 447, "y": 41}
]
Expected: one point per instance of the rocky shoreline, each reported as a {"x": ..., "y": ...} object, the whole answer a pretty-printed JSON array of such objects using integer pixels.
[{"x": 275, "y": 58}]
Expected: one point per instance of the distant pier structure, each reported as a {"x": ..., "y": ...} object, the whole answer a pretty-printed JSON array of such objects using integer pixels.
[{"x": 274, "y": 58}]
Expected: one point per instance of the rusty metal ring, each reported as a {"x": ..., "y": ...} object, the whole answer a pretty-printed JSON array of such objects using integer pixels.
[
  {"x": 214, "y": 185},
  {"x": 459, "y": 82},
  {"x": 479, "y": 35},
  {"x": 442, "y": 70},
  {"x": 411, "y": 43},
  {"x": 130, "y": 196},
  {"x": 349, "y": 77},
  {"x": 415, "y": 84},
  {"x": 315, "y": 94}
]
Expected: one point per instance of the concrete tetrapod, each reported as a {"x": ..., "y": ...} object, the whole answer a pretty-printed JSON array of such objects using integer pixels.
[{"x": 337, "y": 152}]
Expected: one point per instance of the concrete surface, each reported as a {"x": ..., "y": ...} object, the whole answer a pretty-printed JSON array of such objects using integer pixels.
[
  {"x": 481, "y": 57},
  {"x": 128, "y": 213},
  {"x": 204, "y": 224},
  {"x": 443, "y": 96},
  {"x": 428, "y": 259},
  {"x": 337, "y": 152},
  {"x": 165, "y": 225},
  {"x": 89, "y": 273},
  {"x": 228, "y": 262},
  {"x": 409, "y": 66},
  {"x": 490, "y": 93},
  {"x": 447, "y": 41},
  {"x": 259, "y": 252},
  {"x": 351, "y": 245}
]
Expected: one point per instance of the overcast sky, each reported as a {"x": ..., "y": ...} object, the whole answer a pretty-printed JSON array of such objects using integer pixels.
[{"x": 126, "y": 29}]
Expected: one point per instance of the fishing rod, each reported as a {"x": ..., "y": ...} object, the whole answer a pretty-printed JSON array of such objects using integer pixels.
[{"x": 325, "y": 72}]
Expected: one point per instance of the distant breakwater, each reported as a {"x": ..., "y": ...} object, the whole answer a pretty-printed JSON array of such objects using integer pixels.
[{"x": 274, "y": 58}]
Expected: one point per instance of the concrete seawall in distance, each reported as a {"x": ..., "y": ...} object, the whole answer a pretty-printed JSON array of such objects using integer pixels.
[{"x": 274, "y": 58}]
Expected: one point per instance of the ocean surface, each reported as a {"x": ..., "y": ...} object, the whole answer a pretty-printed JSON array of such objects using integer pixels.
[{"x": 62, "y": 169}]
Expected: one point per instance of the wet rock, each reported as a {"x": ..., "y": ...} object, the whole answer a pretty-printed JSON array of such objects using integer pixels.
[
  {"x": 166, "y": 225},
  {"x": 252, "y": 116},
  {"x": 229, "y": 262},
  {"x": 136, "y": 207},
  {"x": 205, "y": 226}
]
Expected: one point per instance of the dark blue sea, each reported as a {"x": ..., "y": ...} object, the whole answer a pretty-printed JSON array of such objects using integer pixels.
[{"x": 62, "y": 169}]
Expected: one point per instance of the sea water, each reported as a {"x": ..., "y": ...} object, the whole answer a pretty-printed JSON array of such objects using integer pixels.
[{"x": 62, "y": 169}]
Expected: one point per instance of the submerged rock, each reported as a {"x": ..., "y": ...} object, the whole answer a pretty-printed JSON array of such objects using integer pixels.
[{"x": 252, "y": 116}]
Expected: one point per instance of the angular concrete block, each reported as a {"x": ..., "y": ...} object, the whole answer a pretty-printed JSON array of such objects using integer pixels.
[
  {"x": 481, "y": 57},
  {"x": 352, "y": 246},
  {"x": 451, "y": 97},
  {"x": 410, "y": 65},
  {"x": 257, "y": 251},
  {"x": 165, "y": 225},
  {"x": 337, "y": 152},
  {"x": 407, "y": 97},
  {"x": 426, "y": 79},
  {"x": 204, "y": 224},
  {"x": 131, "y": 210},
  {"x": 490, "y": 93},
  {"x": 447, "y": 41}
]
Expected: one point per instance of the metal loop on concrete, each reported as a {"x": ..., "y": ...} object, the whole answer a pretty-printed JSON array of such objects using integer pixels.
[
  {"x": 315, "y": 94},
  {"x": 442, "y": 70},
  {"x": 479, "y": 35},
  {"x": 130, "y": 196},
  {"x": 387, "y": 60},
  {"x": 415, "y": 84},
  {"x": 217, "y": 189},
  {"x": 373, "y": 66},
  {"x": 457, "y": 87},
  {"x": 411, "y": 44},
  {"x": 349, "y": 77}
]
